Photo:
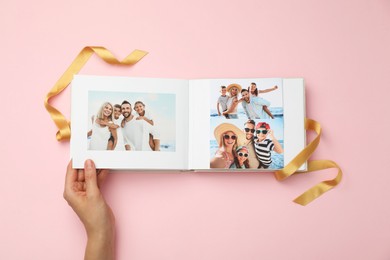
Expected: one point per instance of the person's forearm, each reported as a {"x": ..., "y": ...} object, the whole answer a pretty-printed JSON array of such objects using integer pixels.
[
  {"x": 231, "y": 108},
  {"x": 278, "y": 147},
  {"x": 265, "y": 108},
  {"x": 101, "y": 246},
  {"x": 148, "y": 120},
  {"x": 101, "y": 122},
  {"x": 268, "y": 89}
]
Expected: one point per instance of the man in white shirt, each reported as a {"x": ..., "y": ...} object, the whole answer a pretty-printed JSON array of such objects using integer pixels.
[
  {"x": 135, "y": 132},
  {"x": 253, "y": 107},
  {"x": 249, "y": 129}
]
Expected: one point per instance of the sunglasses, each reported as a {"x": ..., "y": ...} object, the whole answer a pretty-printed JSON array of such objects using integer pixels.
[
  {"x": 227, "y": 137},
  {"x": 249, "y": 130},
  {"x": 261, "y": 131},
  {"x": 242, "y": 154}
]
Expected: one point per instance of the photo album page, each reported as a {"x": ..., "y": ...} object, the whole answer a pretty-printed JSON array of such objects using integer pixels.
[
  {"x": 129, "y": 123},
  {"x": 252, "y": 124}
]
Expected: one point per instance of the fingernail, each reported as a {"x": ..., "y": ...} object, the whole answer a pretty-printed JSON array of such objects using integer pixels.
[{"x": 88, "y": 164}]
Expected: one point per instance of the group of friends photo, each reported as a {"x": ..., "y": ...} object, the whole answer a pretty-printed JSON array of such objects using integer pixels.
[
  {"x": 124, "y": 126},
  {"x": 247, "y": 128}
]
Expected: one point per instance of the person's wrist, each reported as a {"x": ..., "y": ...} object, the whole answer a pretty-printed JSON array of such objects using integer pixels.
[
  {"x": 101, "y": 232},
  {"x": 101, "y": 245},
  {"x": 101, "y": 224}
]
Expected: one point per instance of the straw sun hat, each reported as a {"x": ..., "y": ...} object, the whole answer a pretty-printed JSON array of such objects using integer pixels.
[
  {"x": 232, "y": 86},
  {"x": 226, "y": 127}
]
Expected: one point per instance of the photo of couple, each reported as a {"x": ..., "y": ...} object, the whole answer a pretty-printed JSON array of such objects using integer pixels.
[
  {"x": 247, "y": 129},
  {"x": 123, "y": 126}
]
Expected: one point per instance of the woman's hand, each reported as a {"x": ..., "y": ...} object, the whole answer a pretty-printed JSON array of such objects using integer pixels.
[
  {"x": 271, "y": 134},
  {"x": 113, "y": 126},
  {"x": 82, "y": 192}
]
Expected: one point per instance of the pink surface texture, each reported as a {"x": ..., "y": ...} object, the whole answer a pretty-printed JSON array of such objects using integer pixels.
[{"x": 341, "y": 48}]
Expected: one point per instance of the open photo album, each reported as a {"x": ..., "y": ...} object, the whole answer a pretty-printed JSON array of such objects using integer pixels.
[{"x": 235, "y": 124}]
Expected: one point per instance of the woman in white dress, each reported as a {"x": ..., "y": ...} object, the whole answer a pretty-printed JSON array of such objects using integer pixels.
[
  {"x": 254, "y": 93},
  {"x": 231, "y": 112},
  {"x": 101, "y": 131}
]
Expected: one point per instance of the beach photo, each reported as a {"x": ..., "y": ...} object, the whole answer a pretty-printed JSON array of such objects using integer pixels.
[
  {"x": 252, "y": 98},
  {"x": 247, "y": 124},
  {"x": 246, "y": 144},
  {"x": 131, "y": 121}
]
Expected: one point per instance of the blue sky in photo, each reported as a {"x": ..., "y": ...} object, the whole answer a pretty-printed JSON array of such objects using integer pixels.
[{"x": 162, "y": 106}]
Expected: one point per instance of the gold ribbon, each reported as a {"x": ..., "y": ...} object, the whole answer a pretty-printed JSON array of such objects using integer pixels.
[
  {"x": 61, "y": 122},
  {"x": 292, "y": 167}
]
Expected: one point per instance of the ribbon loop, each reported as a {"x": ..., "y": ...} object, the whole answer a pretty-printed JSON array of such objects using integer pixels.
[
  {"x": 292, "y": 167},
  {"x": 322, "y": 187},
  {"x": 304, "y": 155},
  {"x": 59, "y": 119}
]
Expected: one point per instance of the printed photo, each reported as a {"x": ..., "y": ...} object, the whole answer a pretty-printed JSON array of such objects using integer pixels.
[
  {"x": 131, "y": 121},
  {"x": 247, "y": 124},
  {"x": 247, "y": 98}
]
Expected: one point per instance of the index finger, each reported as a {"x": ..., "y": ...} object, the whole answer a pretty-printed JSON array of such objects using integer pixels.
[
  {"x": 71, "y": 175},
  {"x": 101, "y": 176}
]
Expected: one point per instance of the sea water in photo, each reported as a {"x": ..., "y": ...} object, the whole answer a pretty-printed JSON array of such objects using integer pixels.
[{"x": 277, "y": 112}]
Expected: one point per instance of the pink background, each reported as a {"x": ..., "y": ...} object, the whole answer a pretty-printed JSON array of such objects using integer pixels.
[{"x": 342, "y": 50}]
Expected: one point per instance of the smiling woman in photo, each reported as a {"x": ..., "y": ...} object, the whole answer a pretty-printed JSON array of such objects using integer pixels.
[
  {"x": 103, "y": 133},
  {"x": 234, "y": 90},
  {"x": 229, "y": 137}
]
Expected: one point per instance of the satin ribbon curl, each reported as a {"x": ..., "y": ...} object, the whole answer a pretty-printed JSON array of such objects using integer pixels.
[
  {"x": 59, "y": 119},
  {"x": 292, "y": 167}
]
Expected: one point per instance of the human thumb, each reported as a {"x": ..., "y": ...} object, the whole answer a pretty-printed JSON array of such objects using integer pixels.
[{"x": 90, "y": 177}]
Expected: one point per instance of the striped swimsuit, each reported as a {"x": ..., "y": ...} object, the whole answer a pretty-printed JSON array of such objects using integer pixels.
[{"x": 263, "y": 152}]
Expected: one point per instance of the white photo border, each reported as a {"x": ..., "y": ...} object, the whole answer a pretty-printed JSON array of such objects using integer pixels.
[{"x": 81, "y": 85}]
